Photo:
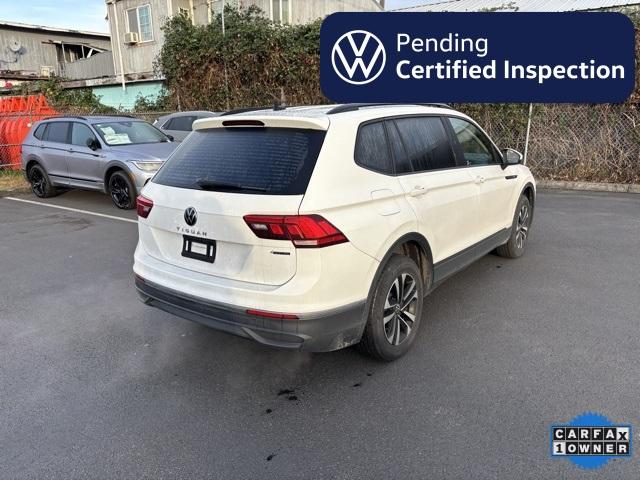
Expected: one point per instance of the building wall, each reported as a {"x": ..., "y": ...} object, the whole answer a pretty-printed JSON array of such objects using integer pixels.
[
  {"x": 308, "y": 11},
  {"x": 97, "y": 66},
  {"x": 37, "y": 50},
  {"x": 114, "y": 96},
  {"x": 137, "y": 59},
  {"x": 302, "y": 11}
]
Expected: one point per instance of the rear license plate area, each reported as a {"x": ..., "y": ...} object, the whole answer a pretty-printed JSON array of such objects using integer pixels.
[{"x": 198, "y": 248}]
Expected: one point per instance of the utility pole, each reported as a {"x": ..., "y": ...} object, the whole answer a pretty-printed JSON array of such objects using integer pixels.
[
  {"x": 224, "y": 61},
  {"x": 526, "y": 138}
]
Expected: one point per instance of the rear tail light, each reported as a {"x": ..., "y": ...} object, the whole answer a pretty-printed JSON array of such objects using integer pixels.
[
  {"x": 305, "y": 231},
  {"x": 144, "y": 206}
]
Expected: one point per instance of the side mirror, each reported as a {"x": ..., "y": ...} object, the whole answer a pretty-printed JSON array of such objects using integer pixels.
[
  {"x": 170, "y": 137},
  {"x": 511, "y": 157},
  {"x": 93, "y": 144}
]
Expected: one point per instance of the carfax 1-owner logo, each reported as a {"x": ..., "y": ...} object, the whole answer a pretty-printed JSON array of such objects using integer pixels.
[{"x": 590, "y": 440}]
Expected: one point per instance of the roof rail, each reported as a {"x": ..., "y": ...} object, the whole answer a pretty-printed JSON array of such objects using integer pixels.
[
  {"x": 352, "y": 107},
  {"x": 126, "y": 115},
  {"x": 51, "y": 117}
]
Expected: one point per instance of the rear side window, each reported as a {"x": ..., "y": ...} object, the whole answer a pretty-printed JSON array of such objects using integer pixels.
[
  {"x": 276, "y": 161},
  {"x": 39, "y": 133},
  {"x": 372, "y": 151},
  {"x": 58, "y": 132},
  {"x": 401, "y": 159},
  {"x": 182, "y": 124},
  {"x": 426, "y": 143}
]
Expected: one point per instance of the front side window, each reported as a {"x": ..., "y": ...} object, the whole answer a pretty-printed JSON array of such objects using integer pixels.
[
  {"x": 129, "y": 133},
  {"x": 426, "y": 143},
  {"x": 80, "y": 134},
  {"x": 139, "y": 21},
  {"x": 475, "y": 147},
  {"x": 372, "y": 151},
  {"x": 58, "y": 132},
  {"x": 275, "y": 161}
]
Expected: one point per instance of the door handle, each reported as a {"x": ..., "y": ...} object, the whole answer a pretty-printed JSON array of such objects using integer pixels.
[
  {"x": 480, "y": 179},
  {"x": 417, "y": 191}
]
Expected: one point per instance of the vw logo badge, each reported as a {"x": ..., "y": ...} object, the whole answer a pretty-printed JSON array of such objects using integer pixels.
[
  {"x": 358, "y": 57},
  {"x": 190, "y": 216}
]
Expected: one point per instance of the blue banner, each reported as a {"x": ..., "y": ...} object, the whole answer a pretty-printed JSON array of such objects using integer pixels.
[{"x": 585, "y": 57}]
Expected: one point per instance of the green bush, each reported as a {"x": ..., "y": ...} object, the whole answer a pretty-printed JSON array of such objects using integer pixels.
[{"x": 261, "y": 61}]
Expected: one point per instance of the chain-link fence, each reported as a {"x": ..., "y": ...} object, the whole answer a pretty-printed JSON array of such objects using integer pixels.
[
  {"x": 598, "y": 143},
  {"x": 593, "y": 143}
]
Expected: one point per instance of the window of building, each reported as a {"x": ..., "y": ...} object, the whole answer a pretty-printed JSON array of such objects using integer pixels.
[
  {"x": 281, "y": 11},
  {"x": 139, "y": 21}
]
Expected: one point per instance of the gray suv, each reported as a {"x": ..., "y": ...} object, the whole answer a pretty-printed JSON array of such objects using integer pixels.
[{"x": 115, "y": 155}]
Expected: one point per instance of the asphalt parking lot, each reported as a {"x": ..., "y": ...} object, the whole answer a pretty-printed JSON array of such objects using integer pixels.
[{"x": 93, "y": 384}]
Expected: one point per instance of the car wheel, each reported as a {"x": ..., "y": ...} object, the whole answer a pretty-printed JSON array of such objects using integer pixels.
[
  {"x": 396, "y": 310},
  {"x": 122, "y": 191},
  {"x": 40, "y": 184},
  {"x": 517, "y": 243}
]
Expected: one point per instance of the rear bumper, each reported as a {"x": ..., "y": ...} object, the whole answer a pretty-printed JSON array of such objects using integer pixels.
[{"x": 317, "y": 332}]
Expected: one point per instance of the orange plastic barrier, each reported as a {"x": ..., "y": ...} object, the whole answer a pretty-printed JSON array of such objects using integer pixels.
[{"x": 17, "y": 114}]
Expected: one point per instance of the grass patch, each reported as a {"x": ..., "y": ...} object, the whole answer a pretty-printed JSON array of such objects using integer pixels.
[{"x": 13, "y": 181}]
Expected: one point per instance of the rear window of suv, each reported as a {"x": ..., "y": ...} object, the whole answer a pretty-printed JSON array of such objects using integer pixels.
[{"x": 274, "y": 161}]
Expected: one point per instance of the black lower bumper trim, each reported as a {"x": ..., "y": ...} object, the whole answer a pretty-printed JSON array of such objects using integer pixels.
[{"x": 320, "y": 332}]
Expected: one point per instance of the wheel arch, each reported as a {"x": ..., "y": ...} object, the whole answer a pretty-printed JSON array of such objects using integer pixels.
[
  {"x": 110, "y": 169},
  {"x": 30, "y": 163},
  {"x": 415, "y": 246},
  {"x": 529, "y": 191},
  {"x": 408, "y": 244}
]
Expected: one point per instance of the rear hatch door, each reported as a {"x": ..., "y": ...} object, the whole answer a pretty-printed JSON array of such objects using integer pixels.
[{"x": 229, "y": 168}]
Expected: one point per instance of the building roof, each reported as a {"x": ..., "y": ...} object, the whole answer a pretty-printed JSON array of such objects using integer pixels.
[
  {"x": 519, "y": 5},
  {"x": 43, "y": 28}
]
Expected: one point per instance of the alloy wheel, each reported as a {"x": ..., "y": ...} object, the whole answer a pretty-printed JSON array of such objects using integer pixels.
[
  {"x": 522, "y": 228},
  {"x": 400, "y": 309},
  {"x": 120, "y": 193},
  {"x": 38, "y": 182}
]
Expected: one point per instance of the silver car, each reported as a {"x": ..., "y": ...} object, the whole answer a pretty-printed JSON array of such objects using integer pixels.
[
  {"x": 115, "y": 155},
  {"x": 179, "y": 124}
]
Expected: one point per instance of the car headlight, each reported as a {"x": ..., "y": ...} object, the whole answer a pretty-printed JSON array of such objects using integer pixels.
[{"x": 148, "y": 166}]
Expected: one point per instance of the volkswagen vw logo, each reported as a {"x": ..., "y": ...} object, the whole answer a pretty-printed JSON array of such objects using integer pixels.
[
  {"x": 358, "y": 57},
  {"x": 190, "y": 216}
]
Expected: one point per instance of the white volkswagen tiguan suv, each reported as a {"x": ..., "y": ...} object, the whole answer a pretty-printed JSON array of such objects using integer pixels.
[{"x": 316, "y": 228}]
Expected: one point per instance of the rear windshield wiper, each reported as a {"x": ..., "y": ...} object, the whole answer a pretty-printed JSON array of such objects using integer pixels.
[{"x": 206, "y": 184}]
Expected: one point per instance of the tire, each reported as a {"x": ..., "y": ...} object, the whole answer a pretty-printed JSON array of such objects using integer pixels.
[
  {"x": 40, "y": 183},
  {"x": 122, "y": 190},
  {"x": 391, "y": 340},
  {"x": 517, "y": 243}
]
